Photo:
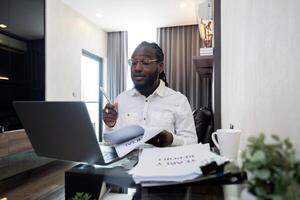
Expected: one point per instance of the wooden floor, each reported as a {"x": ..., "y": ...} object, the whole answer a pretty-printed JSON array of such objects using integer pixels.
[{"x": 46, "y": 183}]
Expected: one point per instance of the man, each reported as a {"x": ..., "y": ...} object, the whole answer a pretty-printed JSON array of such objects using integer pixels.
[{"x": 151, "y": 103}]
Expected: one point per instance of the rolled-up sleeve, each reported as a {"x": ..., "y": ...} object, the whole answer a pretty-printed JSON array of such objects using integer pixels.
[{"x": 185, "y": 132}]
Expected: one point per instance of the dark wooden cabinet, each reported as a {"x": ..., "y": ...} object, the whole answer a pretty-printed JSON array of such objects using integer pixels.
[
  {"x": 204, "y": 65},
  {"x": 22, "y": 57}
]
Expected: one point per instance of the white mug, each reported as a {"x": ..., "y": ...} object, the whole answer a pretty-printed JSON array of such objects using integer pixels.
[{"x": 228, "y": 142}]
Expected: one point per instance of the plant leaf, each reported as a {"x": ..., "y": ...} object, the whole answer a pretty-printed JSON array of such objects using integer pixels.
[
  {"x": 259, "y": 156},
  {"x": 276, "y": 137},
  {"x": 276, "y": 197},
  {"x": 263, "y": 174}
]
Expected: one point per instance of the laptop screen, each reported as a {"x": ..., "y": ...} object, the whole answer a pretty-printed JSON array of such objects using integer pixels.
[{"x": 60, "y": 130}]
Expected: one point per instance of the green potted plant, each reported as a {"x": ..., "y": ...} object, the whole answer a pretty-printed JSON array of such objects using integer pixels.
[
  {"x": 272, "y": 169},
  {"x": 81, "y": 196}
]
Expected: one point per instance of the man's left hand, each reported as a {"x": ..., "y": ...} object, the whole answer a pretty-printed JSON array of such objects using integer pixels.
[{"x": 162, "y": 139}]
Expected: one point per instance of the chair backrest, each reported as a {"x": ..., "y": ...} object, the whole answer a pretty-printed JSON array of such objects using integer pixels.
[{"x": 203, "y": 118}]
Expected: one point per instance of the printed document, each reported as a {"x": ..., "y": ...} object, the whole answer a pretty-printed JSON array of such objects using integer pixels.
[
  {"x": 175, "y": 164},
  {"x": 130, "y": 137}
]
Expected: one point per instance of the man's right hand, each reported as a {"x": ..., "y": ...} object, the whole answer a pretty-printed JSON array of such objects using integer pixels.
[{"x": 110, "y": 114}]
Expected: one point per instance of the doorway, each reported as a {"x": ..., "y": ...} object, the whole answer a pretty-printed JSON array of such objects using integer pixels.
[{"x": 91, "y": 81}]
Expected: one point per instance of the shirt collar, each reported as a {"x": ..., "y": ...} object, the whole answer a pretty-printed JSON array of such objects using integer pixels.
[{"x": 159, "y": 90}]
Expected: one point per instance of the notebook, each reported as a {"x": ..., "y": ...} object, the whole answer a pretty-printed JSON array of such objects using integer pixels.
[{"x": 63, "y": 130}]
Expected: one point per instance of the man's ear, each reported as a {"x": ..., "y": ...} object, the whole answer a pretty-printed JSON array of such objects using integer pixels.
[{"x": 161, "y": 67}]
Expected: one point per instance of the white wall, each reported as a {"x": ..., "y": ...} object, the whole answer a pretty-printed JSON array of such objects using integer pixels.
[
  {"x": 261, "y": 67},
  {"x": 67, "y": 33}
]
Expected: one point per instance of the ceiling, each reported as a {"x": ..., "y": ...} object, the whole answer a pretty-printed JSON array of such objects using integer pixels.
[
  {"x": 23, "y": 18},
  {"x": 119, "y": 15}
]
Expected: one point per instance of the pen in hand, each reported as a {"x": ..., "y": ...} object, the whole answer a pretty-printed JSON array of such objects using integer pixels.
[
  {"x": 105, "y": 95},
  {"x": 110, "y": 112}
]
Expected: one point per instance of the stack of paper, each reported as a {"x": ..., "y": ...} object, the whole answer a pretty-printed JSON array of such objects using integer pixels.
[
  {"x": 176, "y": 164},
  {"x": 206, "y": 51}
]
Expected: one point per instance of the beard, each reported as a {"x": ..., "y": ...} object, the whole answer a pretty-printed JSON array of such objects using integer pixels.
[{"x": 148, "y": 83}]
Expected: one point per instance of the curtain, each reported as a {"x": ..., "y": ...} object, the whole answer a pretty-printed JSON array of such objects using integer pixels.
[
  {"x": 117, "y": 58},
  {"x": 180, "y": 44}
]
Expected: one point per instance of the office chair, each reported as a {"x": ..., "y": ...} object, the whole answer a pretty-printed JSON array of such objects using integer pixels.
[{"x": 203, "y": 118}]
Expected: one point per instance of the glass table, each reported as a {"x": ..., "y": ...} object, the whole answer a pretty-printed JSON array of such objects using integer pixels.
[{"x": 89, "y": 179}]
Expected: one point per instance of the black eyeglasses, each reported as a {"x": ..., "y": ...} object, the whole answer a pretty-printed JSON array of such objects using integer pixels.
[{"x": 145, "y": 61}]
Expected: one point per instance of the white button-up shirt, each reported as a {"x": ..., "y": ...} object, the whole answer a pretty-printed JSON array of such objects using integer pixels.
[{"x": 164, "y": 108}]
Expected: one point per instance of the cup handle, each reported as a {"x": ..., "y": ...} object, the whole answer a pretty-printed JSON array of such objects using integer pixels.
[{"x": 213, "y": 137}]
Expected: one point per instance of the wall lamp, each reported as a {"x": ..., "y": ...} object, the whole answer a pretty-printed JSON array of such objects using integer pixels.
[{"x": 4, "y": 77}]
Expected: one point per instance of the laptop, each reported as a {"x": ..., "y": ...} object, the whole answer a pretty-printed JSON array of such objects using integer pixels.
[{"x": 63, "y": 130}]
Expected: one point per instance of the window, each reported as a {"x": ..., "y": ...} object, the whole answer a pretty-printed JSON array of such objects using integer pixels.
[{"x": 91, "y": 80}]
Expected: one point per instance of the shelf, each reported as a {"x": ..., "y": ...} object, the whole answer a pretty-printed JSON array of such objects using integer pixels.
[{"x": 203, "y": 65}]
